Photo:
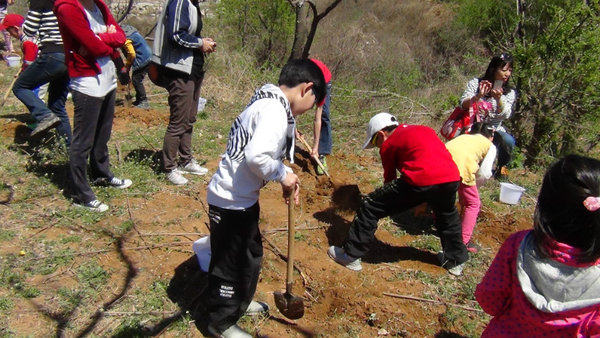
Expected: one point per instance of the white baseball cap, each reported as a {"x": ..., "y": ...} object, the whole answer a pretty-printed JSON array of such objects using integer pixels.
[{"x": 377, "y": 123}]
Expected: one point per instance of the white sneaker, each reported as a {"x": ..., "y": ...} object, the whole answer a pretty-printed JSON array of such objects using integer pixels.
[
  {"x": 94, "y": 205},
  {"x": 193, "y": 168},
  {"x": 176, "y": 177},
  {"x": 445, "y": 263},
  {"x": 340, "y": 257},
  {"x": 119, "y": 183},
  {"x": 233, "y": 331},
  {"x": 257, "y": 308}
]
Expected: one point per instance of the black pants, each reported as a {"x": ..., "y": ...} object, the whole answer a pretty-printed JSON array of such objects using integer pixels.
[
  {"x": 397, "y": 196},
  {"x": 236, "y": 255},
  {"x": 137, "y": 79},
  {"x": 92, "y": 126}
]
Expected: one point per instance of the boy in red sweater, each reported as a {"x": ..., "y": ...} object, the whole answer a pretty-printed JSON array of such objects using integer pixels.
[
  {"x": 12, "y": 24},
  {"x": 428, "y": 174}
]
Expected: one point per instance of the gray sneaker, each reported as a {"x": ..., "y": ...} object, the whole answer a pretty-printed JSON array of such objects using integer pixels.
[
  {"x": 257, "y": 308},
  {"x": 192, "y": 167},
  {"x": 233, "y": 331},
  {"x": 142, "y": 104},
  {"x": 455, "y": 270},
  {"x": 342, "y": 258},
  {"x": 176, "y": 177},
  {"x": 49, "y": 122}
]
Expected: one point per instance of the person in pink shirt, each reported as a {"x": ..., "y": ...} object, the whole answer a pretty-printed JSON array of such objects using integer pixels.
[{"x": 545, "y": 282}]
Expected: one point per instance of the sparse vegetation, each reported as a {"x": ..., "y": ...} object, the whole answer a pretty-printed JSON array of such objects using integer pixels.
[{"x": 69, "y": 271}]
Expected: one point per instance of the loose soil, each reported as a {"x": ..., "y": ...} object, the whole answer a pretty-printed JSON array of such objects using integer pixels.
[{"x": 339, "y": 302}]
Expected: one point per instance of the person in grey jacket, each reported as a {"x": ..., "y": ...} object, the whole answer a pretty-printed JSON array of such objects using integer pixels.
[{"x": 180, "y": 48}]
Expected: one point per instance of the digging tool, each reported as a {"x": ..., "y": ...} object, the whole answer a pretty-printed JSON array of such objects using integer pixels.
[
  {"x": 316, "y": 158},
  {"x": 289, "y": 305},
  {"x": 9, "y": 89},
  {"x": 128, "y": 97}
]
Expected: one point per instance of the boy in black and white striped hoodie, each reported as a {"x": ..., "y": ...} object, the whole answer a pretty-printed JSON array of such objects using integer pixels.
[{"x": 261, "y": 137}]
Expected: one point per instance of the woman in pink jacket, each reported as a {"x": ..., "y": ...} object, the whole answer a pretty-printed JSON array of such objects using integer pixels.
[
  {"x": 545, "y": 282},
  {"x": 91, "y": 37}
]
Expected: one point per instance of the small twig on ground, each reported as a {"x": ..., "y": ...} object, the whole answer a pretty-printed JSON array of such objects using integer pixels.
[
  {"x": 77, "y": 254},
  {"x": 45, "y": 228},
  {"x": 118, "y": 149},
  {"x": 173, "y": 234},
  {"x": 261, "y": 322},
  {"x": 398, "y": 267},
  {"x": 270, "y": 231},
  {"x": 432, "y": 301},
  {"x": 278, "y": 252},
  {"x": 307, "y": 294},
  {"x": 196, "y": 196},
  {"x": 146, "y": 140},
  {"x": 137, "y": 313},
  {"x": 133, "y": 222}
]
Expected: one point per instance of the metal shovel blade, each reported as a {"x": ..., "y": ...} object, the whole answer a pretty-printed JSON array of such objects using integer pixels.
[{"x": 289, "y": 305}]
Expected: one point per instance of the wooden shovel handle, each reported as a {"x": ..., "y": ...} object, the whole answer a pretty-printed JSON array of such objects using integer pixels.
[
  {"x": 291, "y": 233},
  {"x": 8, "y": 90},
  {"x": 316, "y": 158}
]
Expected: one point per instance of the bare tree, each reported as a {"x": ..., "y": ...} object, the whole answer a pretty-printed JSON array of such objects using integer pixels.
[{"x": 307, "y": 20}]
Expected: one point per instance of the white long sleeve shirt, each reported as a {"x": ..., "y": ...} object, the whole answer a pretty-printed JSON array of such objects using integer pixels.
[
  {"x": 258, "y": 142},
  {"x": 494, "y": 118}
]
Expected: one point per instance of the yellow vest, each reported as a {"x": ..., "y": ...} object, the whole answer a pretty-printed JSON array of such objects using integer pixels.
[{"x": 467, "y": 152}]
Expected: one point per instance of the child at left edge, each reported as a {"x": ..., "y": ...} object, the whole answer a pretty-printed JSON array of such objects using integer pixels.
[
  {"x": 13, "y": 23},
  {"x": 261, "y": 137}
]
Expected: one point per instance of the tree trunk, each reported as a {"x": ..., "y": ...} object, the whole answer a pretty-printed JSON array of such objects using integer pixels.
[
  {"x": 542, "y": 135},
  {"x": 302, "y": 27}
]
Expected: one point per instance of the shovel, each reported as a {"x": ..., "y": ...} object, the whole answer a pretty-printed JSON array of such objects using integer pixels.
[
  {"x": 289, "y": 305},
  {"x": 315, "y": 157},
  {"x": 9, "y": 89}
]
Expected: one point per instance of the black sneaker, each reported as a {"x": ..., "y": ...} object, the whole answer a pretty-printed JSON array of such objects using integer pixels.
[
  {"x": 113, "y": 182},
  {"x": 45, "y": 124}
]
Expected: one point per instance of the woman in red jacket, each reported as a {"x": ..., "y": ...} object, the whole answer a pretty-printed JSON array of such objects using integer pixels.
[{"x": 91, "y": 37}]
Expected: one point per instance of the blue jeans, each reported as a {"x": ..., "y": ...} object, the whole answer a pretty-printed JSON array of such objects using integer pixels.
[
  {"x": 47, "y": 68},
  {"x": 505, "y": 144},
  {"x": 325, "y": 142}
]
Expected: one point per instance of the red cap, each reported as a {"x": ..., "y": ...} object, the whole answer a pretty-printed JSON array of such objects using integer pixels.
[
  {"x": 326, "y": 75},
  {"x": 11, "y": 20}
]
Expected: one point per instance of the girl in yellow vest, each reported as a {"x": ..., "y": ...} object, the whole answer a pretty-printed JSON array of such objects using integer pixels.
[{"x": 474, "y": 155}]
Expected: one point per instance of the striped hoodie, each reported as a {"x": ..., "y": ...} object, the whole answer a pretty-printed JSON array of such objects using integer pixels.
[
  {"x": 41, "y": 23},
  {"x": 261, "y": 137}
]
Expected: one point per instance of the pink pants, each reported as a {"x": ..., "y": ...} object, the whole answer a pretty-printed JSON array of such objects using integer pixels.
[{"x": 468, "y": 197}]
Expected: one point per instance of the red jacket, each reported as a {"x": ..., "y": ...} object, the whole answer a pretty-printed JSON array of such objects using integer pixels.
[
  {"x": 419, "y": 155},
  {"x": 30, "y": 52},
  {"x": 82, "y": 46}
]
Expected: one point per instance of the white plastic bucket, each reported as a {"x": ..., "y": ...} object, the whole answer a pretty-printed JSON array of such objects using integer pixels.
[
  {"x": 13, "y": 60},
  {"x": 202, "y": 249},
  {"x": 510, "y": 193}
]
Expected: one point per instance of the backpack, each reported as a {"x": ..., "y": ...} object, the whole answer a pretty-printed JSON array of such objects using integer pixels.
[
  {"x": 460, "y": 121},
  {"x": 156, "y": 74}
]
